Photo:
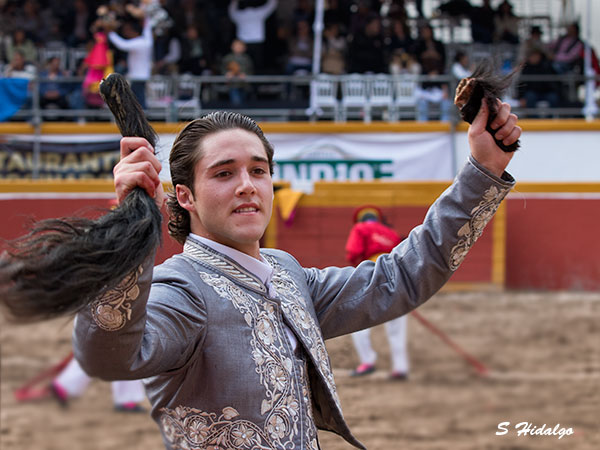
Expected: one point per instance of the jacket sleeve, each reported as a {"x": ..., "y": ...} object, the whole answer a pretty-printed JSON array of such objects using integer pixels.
[
  {"x": 143, "y": 327},
  {"x": 349, "y": 299}
]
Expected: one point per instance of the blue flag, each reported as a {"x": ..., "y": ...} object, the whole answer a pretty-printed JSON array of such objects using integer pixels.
[{"x": 13, "y": 93}]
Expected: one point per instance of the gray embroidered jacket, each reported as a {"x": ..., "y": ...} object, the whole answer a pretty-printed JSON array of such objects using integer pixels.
[{"x": 210, "y": 341}]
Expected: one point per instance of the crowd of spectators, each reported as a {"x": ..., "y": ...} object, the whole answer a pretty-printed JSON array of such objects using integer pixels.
[{"x": 243, "y": 37}]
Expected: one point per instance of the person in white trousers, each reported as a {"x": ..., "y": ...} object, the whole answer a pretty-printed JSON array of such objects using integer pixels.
[
  {"x": 72, "y": 381},
  {"x": 396, "y": 334},
  {"x": 368, "y": 239}
]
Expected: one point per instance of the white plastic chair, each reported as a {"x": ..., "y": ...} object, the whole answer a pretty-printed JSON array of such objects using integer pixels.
[
  {"x": 74, "y": 58},
  {"x": 324, "y": 95},
  {"x": 381, "y": 94},
  {"x": 354, "y": 95},
  {"x": 159, "y": 93},
  {"x": 46, "y": 53},
  {"x": 405, "y": 91},
  {"x": 187, "y": 97}
]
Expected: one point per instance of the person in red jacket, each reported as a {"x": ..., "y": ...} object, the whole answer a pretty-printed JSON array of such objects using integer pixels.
[{"x": 369, "y": 238}]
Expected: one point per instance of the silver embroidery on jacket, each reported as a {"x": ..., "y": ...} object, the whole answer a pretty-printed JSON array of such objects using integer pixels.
[
  {"x": 294, "y": 305},
  {"x": 473, "y": 229},
  {"x": 199, "y": 252},
  {"x": 113, "y": 309},
  {"x": 191, "y": 429}
]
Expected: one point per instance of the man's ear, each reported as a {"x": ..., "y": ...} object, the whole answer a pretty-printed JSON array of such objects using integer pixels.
[{"x": 185, "y": 197}]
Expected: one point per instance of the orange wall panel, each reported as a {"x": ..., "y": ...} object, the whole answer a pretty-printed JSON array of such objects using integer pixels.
[{"x": 553, "y": 243}]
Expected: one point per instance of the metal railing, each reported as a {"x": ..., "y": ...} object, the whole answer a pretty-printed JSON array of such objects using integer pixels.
[{"x": 287, "y": 98}]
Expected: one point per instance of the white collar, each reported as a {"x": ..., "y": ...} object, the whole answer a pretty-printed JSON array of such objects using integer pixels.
[{"x": 259, "y": 268}]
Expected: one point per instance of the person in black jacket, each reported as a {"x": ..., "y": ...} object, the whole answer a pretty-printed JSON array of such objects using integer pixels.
[
  {"x": 367, "y": 49},
  {"x": 532, "y": 92}
]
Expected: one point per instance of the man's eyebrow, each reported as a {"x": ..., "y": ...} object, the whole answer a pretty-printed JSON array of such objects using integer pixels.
[
  {"x": 224, "y": 162},
  {"x": 260, "y": 159}
]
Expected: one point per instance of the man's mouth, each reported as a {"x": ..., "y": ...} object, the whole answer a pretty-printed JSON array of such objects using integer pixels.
[{"x": 246, "y": 209}]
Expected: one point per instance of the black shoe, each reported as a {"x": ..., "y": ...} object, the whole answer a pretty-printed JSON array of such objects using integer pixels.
[
  {"x": 398, "y": 376},
  {"x": 59, "y": 394}
]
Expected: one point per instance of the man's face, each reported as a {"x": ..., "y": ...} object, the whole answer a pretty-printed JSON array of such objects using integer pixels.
[{"x": 232, "y": 198}]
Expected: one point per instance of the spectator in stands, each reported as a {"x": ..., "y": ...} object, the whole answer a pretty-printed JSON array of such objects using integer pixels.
[
  {"x": 304, "y": 10},
  {"x": 194, "y": 55},
  {"x": 482, "y": 23},
  {"x": 506, "y": 24},
  {"x": 29, "y": 20},
  {"x": 338, "y": 11},
  {"x": 567, "y": 51},
  {"x": 533, "y": 42},
  {"x": 400, "y": 38},
  {"x": 168, "y": 63},
  {"x": 367, "y": 49},
  {"x": 397, "y": 9},
  {"x": 333, "y": 56},
  {"x": 431, "y": 55},
  {"x": 79, "y": 24},
  {"x": 53, "y": 92},
  {"x": 19, "y": 67},
  {"x": 361, "y": 17},
  {"x": 277, "y": 48},
  {"x": 403, "y": 63},
  {"x": 300, "y": 50},
  {"x": 167, "y": 48},
  {"x": 19, "y": 42},
  {"x": 461, "y": 67},
  {"x": 97, "y": 64},
  {"x": 455, "y": 8},
  {"x": 236, "y": 66},
  {"x": 250, "y": 24},
  {"x": 137, "y": 41},
  {"x": 532, "y": 92},
  {"x": 394, "y": 10}
]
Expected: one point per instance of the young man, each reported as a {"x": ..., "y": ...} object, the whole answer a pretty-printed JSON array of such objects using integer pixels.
[{"x": 230, "y": 338}]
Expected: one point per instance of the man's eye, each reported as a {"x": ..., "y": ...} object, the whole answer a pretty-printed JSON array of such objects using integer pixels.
[
  {"x": 260, "y": 171},
  {"x": 225, "y": 173}
]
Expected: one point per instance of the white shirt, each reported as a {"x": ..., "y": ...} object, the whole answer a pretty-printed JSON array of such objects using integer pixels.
[
  {"x": 139, "y": 52},
  {"x": 259, "y": 268},
  {"x": 250, "y": 22}
]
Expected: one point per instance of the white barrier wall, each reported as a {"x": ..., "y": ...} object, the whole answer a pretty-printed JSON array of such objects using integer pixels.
[{"x": 547, "y": 156}]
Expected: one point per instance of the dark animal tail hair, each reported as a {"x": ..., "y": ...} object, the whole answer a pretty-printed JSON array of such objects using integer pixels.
[
  {"x": 488, "y": 85},
  {"x": 62, "y": 265}
]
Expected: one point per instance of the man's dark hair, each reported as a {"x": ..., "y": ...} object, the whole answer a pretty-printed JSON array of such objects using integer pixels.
[{"x": 187, "y": 151}]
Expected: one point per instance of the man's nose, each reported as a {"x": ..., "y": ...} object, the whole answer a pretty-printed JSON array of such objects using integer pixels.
[{"x": 245, "y": 185}]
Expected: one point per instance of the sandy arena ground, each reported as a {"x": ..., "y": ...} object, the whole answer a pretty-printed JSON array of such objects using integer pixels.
[{"x": 543, "y": 350}]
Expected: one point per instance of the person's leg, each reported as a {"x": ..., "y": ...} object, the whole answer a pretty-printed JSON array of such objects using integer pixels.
[
  {"x": 531, "y": 98},
  {"x": 422, "y": 110},
  {"x": 366, "y": 354},
  {"x": 396, "y": 333},
  {"x": 71, "y": 382},
  {"x": 445, "y": 110},
  {"x": 236, "y": 96},
  {"x": 127, "y": 395},
  {"x": 139, "y": 89}
]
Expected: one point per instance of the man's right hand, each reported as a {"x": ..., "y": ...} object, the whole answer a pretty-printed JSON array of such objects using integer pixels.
[{"x": 138, "y": 167}]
